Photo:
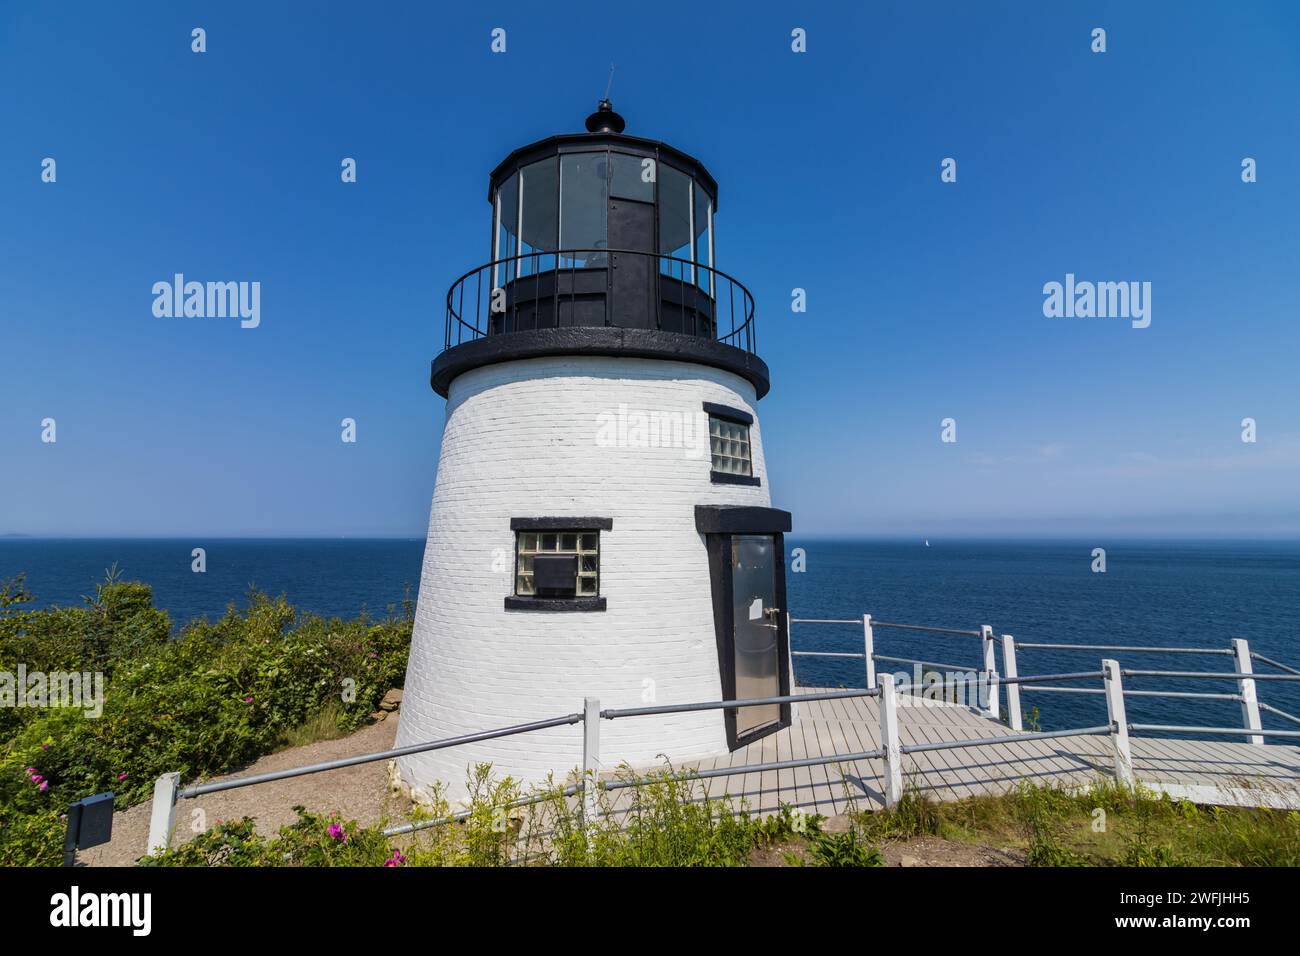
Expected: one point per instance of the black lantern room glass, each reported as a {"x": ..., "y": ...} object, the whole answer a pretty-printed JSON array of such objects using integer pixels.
[{"x": 562, "y": 206}]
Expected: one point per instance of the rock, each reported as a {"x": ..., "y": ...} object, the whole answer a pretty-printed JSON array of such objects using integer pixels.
[
  {"x": 837, "y": 824},
  {"x": 392, "y": 700},
  {"x": 379, "y": 715},
  {"x": 908, "y": 860}
]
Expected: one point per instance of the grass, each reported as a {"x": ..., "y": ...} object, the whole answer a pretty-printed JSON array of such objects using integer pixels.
[
  {"x": 1100, "y": 826},
  {"x": 322, "y": 725}
]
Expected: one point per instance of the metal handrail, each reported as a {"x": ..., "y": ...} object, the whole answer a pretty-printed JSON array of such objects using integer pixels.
[
  {"x": 614, "y": 713},
  {"x": 1009, "y": 739},
  {"x": 201, "y": 789},
  {"x": 913, "y": 660},
  {"x": 745, "y": 769},
  {"x": 1211, "y": 675},
  {"x": 466, "y": 814},
  {"x": 925, "y": 627},
  {"x": 1279, "y": 712},
  {"x": 1229, "y": 731},
  {"x": 1138, "y": 693},
  {"x": 1020, "y": 645},
  {"x": 1048, "y": 678},
  {"x": 1272, "y": 663},
  {"x": 742, "y": 335}
]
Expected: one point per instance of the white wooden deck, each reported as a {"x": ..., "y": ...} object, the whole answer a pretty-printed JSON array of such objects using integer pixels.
[{"x": 1206, "y": 771}]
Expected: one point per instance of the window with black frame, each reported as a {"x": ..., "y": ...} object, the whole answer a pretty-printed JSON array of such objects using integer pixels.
[
  {"x": 557, "y": 563},
  {"x": 730, "y": 451}
]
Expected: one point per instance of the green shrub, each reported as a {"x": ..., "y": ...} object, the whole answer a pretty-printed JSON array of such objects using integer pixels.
[
  {"x": 313, "y": 840},
  {"x": 213, "y": 698},
  {"x": 31, "y": 839}
]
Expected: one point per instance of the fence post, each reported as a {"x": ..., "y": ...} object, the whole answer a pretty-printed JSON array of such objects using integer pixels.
[
  {"x": 1118, "y": 723},
  {"x": 163, "y": 815},
  {"x": 889, "y": 741},
  {"x": 789, "y": 642},
  {"x": 590, "y": 757},
  {"x": 869, "y": 649},
  {"x": 1014, "y": 717},
  {"x": 990, "y": 672},
  {"x": 1246, "y": 687}
]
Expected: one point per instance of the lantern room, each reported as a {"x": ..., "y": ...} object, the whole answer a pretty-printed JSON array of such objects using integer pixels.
[{"x": 603, "y": 229}]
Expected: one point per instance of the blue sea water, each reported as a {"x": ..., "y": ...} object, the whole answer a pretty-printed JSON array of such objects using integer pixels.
[{"x": 1186, "y": 594}]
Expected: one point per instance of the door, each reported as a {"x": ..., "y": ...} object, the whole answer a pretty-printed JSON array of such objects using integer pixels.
[
  {"x": 756, "y": 637},
  {"x": 632, "y": 277}
]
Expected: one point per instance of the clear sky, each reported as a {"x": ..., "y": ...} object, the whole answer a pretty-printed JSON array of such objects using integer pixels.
[{"x": 925, "y": 298}]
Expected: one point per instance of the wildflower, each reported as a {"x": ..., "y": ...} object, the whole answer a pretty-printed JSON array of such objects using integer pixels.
[
  {"x": 45, "y": 746},
  {"x": 37, "y": 778},
  {"x": 337, "y": 832},
  {"x": 45, "y": 785},
  {"x": 397, "y": 859},
  {"x": 122, "y": 775},
  {"x": 248, "y": 700},
  {"x": 29, "y": 771}
]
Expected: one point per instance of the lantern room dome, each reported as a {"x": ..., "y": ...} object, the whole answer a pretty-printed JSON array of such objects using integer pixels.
[{"x": 602, "y": 243}]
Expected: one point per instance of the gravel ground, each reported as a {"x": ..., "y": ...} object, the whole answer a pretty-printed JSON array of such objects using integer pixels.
[{"x": 358, "y": 793}]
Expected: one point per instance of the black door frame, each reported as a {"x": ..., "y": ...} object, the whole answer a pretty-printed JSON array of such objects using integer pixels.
[{"x": 718, "y": 524}]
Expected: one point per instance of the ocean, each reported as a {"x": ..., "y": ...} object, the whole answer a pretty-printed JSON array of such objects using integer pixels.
[{"x": 1185, "y": 594}]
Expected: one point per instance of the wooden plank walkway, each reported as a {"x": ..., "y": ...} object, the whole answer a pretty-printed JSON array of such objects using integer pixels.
[{"x": 1207, "y": 771}]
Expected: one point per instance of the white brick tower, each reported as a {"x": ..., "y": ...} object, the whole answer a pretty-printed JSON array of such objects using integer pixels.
[{"x": 601, "y": 523}]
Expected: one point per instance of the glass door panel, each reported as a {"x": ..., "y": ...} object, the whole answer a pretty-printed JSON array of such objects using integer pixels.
[{"x": 757, "y": 630}]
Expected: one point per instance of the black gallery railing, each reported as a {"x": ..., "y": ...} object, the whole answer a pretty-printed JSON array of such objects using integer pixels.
[{"x": 600, "y": 287}]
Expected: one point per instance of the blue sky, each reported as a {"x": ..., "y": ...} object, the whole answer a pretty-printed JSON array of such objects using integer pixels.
[{"x": 924, "y": 298}]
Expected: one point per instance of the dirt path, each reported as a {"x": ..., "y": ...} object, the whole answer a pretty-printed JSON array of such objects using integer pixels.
[{"x": 358, "y": 793}]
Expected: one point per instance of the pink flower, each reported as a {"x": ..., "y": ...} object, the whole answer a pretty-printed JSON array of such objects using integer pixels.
[
  {"x": 29, "y": 771},
  {"x": 121, "y": 776},
  {"x": 45, "y": 785},
  {"x": 37, "y": 778},
  {"x": 337, "y": 832},
  {"x": 248, "y": 700},
  {"x": 45, "y": 746},
  {"x": 397, "y": 859}
]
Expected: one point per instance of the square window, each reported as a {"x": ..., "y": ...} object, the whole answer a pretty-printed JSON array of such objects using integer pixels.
[
  {"x": 558, "y": 564},
  {"x": 729, "y": 447}
]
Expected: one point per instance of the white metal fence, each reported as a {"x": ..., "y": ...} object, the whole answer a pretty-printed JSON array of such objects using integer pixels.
[{"x": 892, "y": 698}]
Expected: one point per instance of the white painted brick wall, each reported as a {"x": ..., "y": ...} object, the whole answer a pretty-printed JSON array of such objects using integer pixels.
[{"x": 521, "y": 441}]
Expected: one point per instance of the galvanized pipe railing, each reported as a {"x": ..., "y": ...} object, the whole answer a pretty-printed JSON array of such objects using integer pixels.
[
  {"x": 1272, "y": 663},
  {"x": 198, "y": 791},
  {"x": 1243, "y": 675},
  {"x": 988, "y": 668},
  {"x": 1132, "y": 648},
  {"x": 616, "y": 713},
  {"x": 1197, "y": 729}
]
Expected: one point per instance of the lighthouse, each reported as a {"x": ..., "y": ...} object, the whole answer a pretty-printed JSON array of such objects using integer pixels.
[{"x": 601, "y": 523}]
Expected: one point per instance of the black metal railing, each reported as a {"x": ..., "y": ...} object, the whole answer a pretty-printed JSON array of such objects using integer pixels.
[{"x": 600, "y": 287}]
